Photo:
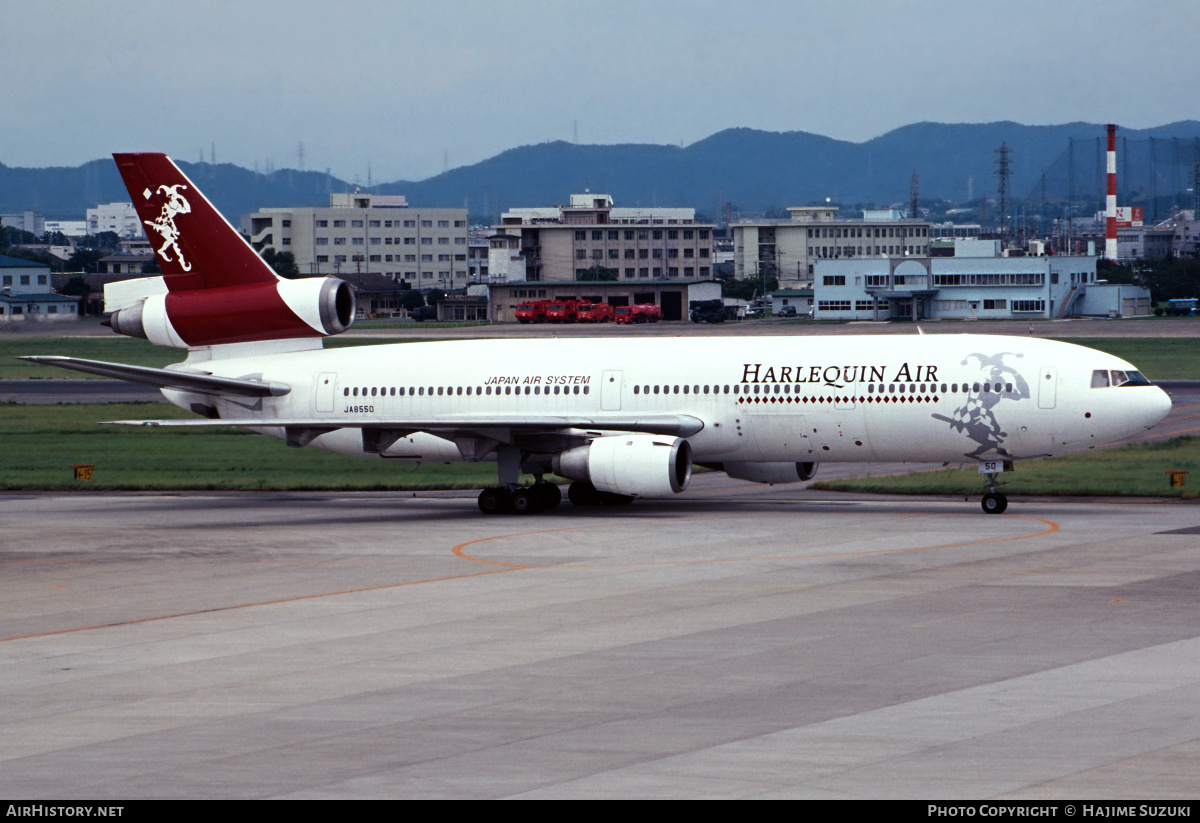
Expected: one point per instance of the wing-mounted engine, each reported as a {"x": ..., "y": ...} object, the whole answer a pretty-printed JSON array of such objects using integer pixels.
[
  {"x": 771, "y": 472},
  {"x": 638, "y": 465},
  {"x": 307, "y": 307}
]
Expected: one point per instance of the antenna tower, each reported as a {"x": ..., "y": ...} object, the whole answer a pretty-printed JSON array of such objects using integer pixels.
[{"x": 1003, "y": 173}]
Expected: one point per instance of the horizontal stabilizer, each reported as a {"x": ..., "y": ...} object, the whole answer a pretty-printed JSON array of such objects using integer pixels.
[
  {"x": 201, "y": 382},
  {"x": 680, "y": 425}
]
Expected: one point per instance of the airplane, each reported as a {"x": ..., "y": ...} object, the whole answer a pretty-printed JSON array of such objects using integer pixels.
[{"x": 621, "y": 418}]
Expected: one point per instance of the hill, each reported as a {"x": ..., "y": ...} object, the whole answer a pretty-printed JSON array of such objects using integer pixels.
[{"x": 755, "y": 170}]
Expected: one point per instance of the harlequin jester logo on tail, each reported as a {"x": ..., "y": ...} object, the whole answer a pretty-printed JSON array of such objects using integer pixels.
[{"x": 164, "y": 224}]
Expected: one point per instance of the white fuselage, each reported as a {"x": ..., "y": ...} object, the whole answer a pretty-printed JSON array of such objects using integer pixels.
[{"x": 947, "y": 398}]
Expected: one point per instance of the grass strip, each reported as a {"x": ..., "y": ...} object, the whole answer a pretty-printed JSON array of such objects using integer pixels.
[
  {"x": 42, "y": 443},
  {"x": 1136, "y": 470}
]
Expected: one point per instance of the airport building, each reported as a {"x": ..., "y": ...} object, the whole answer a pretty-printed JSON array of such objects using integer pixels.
[
  {"x": 969, "y": 288},
  {"x": 370, "y": 233},
  {"x": 26, "y": 293},
  {"x": 673, "y": 296},
  {"x": 590, "y": 236},
  {"x": 789, "y": 249}
]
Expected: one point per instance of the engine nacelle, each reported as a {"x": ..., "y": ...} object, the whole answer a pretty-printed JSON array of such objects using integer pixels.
[
  {"x": 771, "y": 472},
  {"x": 639, "y": 465},
  {"x": 307, "y": 307}
]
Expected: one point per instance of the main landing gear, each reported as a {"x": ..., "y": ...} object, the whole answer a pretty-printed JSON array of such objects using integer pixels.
[
  {"x": 510, "y": 498},
  {"x": 541, "y": 496},
  {"x": 993, "y": 502}
]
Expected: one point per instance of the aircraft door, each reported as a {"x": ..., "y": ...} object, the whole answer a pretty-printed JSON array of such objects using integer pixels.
[
  {"x": 610, "y": 391},
  {"x": 1047, "y": 387},
  {"x": 326, "y": 383}
]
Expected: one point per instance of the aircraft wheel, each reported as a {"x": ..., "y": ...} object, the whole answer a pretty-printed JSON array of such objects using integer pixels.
[
  {"x": 548, "y": 494},
  {"x": 493, "y": 501},
  {"x": 525, "y": 501},
  {"x": 582, "y": 493},
  {"x": 994, "y": 503}
]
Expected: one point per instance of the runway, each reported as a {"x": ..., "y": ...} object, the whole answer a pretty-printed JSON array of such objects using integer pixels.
[{"x": 738, "y": 641}]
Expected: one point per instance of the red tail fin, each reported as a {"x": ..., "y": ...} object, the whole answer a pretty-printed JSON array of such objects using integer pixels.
[
  {"x": 195, "y": 246},
  {"x": 218, "y": 289}
]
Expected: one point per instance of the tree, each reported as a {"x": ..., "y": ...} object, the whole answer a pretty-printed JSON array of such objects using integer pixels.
[
  {"x": 76, "y": 286},
  {"x": 435, "y": 296},
  {"x": 411, "y": 300},
  {"x": 283, "y": 262},
  {"x": 85, "y": 260},
  {"x": 748, "y": 289},
  {"x": 103, "y": 240}
]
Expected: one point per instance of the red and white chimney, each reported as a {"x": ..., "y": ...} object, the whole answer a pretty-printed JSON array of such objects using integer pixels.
[{"x": 1110, "y": 200}]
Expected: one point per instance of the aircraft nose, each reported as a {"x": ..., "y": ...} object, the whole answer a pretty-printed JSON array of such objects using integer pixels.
[{"x": 1155, "y": 407}]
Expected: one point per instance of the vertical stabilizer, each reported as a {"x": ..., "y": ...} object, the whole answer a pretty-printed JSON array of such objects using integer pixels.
[{"x": 195, "y": 246}]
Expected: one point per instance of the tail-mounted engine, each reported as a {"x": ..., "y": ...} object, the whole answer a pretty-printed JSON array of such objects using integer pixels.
[
  {"x": 639, "y": 465},
  {"x": 308, "y": 307}
]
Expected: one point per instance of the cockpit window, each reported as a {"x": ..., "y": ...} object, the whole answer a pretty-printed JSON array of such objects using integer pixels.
[
  {"x": 1129, "y": 378},
  {"x": 1102, "y": 378}
]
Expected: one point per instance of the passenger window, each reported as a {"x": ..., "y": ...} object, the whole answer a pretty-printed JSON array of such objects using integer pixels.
[
  {"x": 891, "y": 388},
  {"x": 975, "y": 387},
  {"x": 656, "y": 389},
  {"x": 346, "y": 392},
  {"x": 356, "y": 391},
  {"x": 685, "y": 389},
  {"x": 636, "y": 389},
  {"x": 902, "y": 388},
  {"x": 507, "y": 390},
  {"x": 695, "y": 390},
  {"x": 372, "y": 391},
  {"x": 943, "y": 388}
]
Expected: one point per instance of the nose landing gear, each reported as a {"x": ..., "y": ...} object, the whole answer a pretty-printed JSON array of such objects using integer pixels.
[{"x": 993, "y": 502}]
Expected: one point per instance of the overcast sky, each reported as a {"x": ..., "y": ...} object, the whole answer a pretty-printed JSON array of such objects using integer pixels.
[{"x": 405, "y": 88}]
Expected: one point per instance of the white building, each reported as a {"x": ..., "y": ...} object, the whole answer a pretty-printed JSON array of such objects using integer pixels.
[
  {"x": 969, "y": 288},
  {"x": 573, "y": 242},
  {"x": 789, "y": 249},
  {"x": 370, "y": 233},
  {"x": 119, "y": 218}
]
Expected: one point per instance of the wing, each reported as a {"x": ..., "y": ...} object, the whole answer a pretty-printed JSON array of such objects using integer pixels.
[
  {"x": 378, "y": 434},
  {"x": 202, "y": 382}
]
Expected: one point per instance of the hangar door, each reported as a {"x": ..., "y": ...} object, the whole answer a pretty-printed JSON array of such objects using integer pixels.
[{"x": 671, "y": 303}]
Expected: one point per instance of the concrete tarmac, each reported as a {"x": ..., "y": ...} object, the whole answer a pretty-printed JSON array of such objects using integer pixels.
[{"x": 736, "y": 641}]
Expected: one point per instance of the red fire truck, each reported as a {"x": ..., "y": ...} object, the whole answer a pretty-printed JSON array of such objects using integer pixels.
[
  {"x": 595, "y": 312},
  {"x": 533, "y": 311}
]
